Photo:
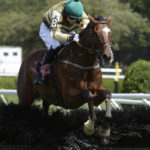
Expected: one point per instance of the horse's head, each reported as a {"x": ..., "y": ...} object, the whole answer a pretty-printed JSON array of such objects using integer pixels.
[{"x": 98, "y": 36}]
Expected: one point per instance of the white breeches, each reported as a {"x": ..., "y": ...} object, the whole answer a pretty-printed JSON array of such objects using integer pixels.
[{"x": 45, "y": 34}]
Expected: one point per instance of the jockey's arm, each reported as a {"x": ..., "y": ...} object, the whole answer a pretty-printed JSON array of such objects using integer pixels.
[
  {"x": 59, "y": 36},
  {"x": 84, "y": 21},
  {"x": 65, "y": 37}
]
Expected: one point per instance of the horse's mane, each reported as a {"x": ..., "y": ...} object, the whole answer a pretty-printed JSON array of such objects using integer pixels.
[
  {"x": 99, "y": 18},
  {"x": 91, "y": 24}
]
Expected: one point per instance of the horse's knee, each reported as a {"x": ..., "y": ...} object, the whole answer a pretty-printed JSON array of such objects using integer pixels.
[
  {"x": 104, "y": 95},
  {"x": 87, "y": 95}
]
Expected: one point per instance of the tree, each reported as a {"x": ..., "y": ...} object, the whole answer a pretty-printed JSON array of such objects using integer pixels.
[
  {"x": 20, "y": 22},
  {"x": 137, "y": 77},
  {"x": 130, "y": 30},
  {"x": 140, "y": 6}
]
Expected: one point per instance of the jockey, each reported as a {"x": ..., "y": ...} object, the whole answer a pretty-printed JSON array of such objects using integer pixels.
[{"x": 57, "y": 29}]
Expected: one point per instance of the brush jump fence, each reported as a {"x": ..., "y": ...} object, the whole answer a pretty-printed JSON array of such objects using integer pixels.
[
  {"x": 117, "y": 98},
  {"x": 130, "y": 127}
]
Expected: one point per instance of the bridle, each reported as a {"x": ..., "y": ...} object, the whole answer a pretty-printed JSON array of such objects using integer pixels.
[
  {"x": 92, "y": 40},
  {"x": 91, "y": 50}
]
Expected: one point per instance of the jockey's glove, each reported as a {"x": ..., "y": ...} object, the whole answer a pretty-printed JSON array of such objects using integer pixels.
[{"x": 75, "y": 38}]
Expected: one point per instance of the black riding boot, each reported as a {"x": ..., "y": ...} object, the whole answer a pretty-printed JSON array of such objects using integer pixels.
[{"x": 48, "y": 58}]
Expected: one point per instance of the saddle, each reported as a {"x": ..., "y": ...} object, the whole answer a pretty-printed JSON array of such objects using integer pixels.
[{"x": 42, "y": 66}]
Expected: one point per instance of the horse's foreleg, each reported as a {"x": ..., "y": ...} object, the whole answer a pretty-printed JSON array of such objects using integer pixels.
[
  {"x": 104, "y": 130},
  {"x": 89, "y": 124},
  {"x": 108, "y": 108}
]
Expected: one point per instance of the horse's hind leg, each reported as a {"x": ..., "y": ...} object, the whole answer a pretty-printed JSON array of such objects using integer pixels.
[{"x": 26, "y": 94}]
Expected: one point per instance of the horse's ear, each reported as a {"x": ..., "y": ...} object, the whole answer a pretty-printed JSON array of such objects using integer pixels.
[
  {"x": 109, "y": 19},
  {"x": 91, "y": 19}
]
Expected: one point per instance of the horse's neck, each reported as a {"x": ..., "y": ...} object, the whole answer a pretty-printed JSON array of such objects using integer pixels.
[
  {"x": 85, "y": 50},
  {"x": 78, "y": 55},
  {"x": 81, "y": 56},
  {"x": 85, "y": 39},
  {"x": 87, "y": 59}
]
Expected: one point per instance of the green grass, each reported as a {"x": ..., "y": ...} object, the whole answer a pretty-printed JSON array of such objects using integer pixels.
[
  {"x": 109, "y": 85},
  {"x": 11, "y": 98},
  {"x": 8, "y": 82}
]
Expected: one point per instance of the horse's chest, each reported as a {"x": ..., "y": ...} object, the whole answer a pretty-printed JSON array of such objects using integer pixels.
[
  {"x": 85, "y": 80},
  {"x": 92, "y": 83}
]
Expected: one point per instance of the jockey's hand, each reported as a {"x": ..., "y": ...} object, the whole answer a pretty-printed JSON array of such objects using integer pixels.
[{"x": 75, "y": 38}]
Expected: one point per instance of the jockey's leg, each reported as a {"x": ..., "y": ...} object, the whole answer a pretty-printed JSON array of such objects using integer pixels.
[
  {"x": 51, "y": 55},
  {"x": 48, "y": 58},
  {"x": 53, "y": 46},
  {"x": 38, "y": 80}
]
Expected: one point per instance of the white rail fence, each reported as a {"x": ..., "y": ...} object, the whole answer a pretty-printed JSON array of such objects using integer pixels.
[
  {"x": 110, "y": 73},
  {"x": 117, "y": 98}
]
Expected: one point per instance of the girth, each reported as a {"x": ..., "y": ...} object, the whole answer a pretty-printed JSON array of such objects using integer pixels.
[{"x": 79, "y": 66}]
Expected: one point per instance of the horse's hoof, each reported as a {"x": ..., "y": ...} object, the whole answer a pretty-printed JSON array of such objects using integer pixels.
[
  {"x": 87, "y": 131},
  {"x": 103, "y": 132},
  {"x": 88, "y": 127}
]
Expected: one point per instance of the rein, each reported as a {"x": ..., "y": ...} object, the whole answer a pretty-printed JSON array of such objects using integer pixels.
[
  {"x": 90, "y": 50},
  {"x": 77, "y": 65}
]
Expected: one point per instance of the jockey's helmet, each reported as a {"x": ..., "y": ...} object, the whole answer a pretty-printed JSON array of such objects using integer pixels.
[{"x": 74, "y": 8}]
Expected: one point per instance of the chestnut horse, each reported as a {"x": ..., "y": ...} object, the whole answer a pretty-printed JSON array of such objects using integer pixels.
[{"x": 75, "y": 77}]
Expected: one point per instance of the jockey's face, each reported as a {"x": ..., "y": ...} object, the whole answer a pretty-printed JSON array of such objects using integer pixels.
[{"x": 71, "y": 20}]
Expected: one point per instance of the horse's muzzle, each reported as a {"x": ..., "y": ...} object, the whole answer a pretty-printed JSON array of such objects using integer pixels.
[{"x": 107, "y": 59}]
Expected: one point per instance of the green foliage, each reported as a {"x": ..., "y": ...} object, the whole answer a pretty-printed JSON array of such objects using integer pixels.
[
  {"x": 140, "y": 6},
  {"x": 21, "y": 5},
  {"x": 137, "y": 78},
  {"x": 130, "y": 30},
  {"x": 20, "y": 22}
]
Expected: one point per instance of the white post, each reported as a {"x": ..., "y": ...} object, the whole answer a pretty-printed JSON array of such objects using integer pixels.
[
  {"x": 114, "y": 104},
  {"x": 146, "y": 102},
  {"x": 3, "y": 99}
]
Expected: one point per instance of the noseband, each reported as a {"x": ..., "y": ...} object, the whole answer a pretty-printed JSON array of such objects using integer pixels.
[{"x": 92, "y": 39}]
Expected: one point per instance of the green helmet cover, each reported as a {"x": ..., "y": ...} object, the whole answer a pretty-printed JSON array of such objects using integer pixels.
[{"x": 74, "y": 8}]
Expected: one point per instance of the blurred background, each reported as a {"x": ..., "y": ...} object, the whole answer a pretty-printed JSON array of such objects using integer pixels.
[{"x": 20, "y": 21}]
